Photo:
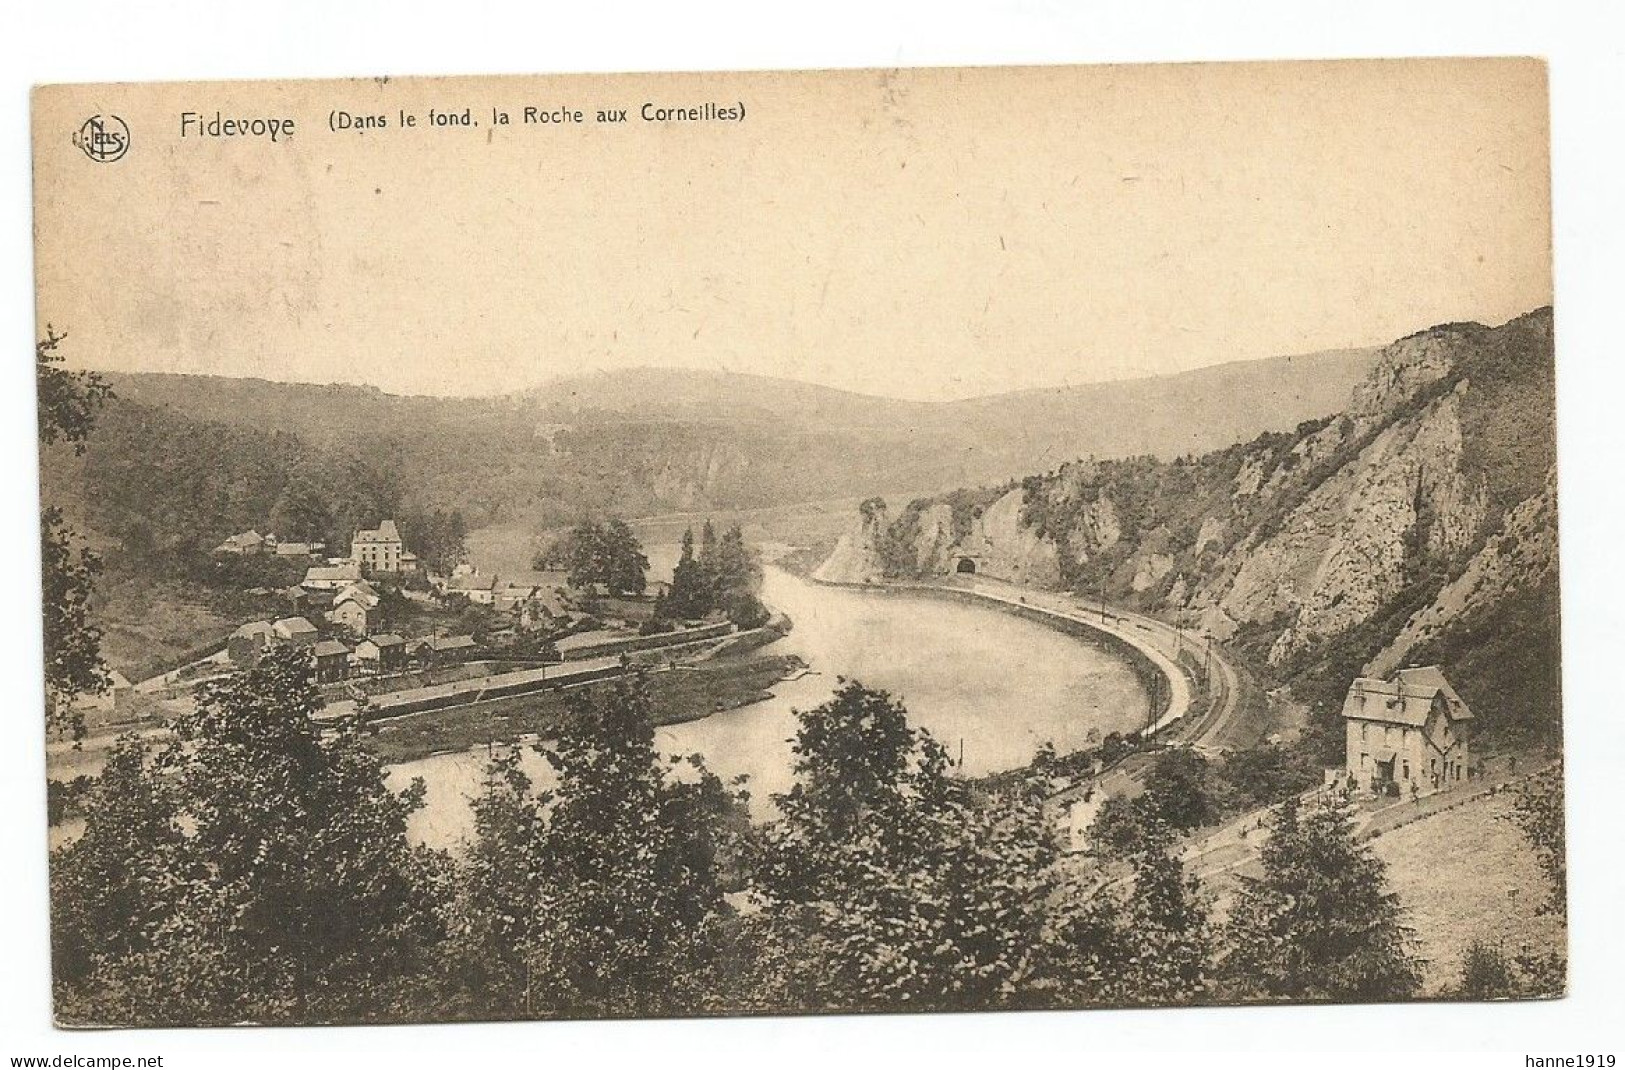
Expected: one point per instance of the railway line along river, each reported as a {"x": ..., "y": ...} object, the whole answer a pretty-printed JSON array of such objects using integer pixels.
[{"x": 977, "y": 677}]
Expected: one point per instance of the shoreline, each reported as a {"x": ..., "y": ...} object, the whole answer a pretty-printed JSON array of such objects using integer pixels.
[{"x": 1166, "y": 686}]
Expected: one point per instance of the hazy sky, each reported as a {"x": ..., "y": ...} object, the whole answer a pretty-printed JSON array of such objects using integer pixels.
[{"x": 916, "y": 234}]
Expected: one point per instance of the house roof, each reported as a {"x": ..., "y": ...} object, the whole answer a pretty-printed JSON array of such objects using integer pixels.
[
  {"x": 384, "y": 532},
  {"x": 1406, "y": 699},
  {"x": 294, "y": 626},
  {"x": 387, "y": 639},
  {"x": 242, "y": 538},
  {"x": 328, "y": 647},
  {"x": 254, "y": 629},
  {"x": 472, "y": 582},
  {"x": 449, "y": 642},
  {"x": 293, "y": 549},
  {"x": 361, "y": 591},
  {"x": 332, "y": 573}
]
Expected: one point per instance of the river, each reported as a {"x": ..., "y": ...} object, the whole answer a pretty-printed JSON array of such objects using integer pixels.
[{"x": 976, "y": 677}]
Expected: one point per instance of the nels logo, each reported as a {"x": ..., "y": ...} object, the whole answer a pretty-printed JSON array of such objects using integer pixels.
[{"x": 104, "y": 138}]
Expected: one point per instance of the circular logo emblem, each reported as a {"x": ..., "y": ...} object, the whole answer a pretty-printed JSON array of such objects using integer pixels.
[{"x": 104, "y": 138}]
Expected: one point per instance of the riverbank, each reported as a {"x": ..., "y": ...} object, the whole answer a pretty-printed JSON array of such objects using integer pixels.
[{"x": 686, "y": 693}]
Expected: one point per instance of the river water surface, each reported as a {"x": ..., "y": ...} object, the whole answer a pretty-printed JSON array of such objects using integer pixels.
[{"x": 976, "y": 677}]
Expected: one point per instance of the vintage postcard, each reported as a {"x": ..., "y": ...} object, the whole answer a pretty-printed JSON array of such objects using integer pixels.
[{"x": 780, "y": 543}]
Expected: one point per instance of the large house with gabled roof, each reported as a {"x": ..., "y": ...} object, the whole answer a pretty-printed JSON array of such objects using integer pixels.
[
  {"x": 381, "y": 549},
  {"x": 1411, "y": 730}
]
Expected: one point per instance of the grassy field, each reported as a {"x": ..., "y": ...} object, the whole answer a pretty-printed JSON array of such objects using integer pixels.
[
  {"x": 680, "y": 695},
  {"x": 146, "y": 626},
  {"x": 1468, "y": 874}
]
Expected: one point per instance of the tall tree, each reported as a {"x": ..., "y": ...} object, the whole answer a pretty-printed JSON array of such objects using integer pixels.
[
  {"x": 604, "y": 897},
  {"x": 609, "y": 554},
  {"x": 1154, "y": 944},
  {"x": 627, "y": 567},
  {"x": 887, "y": 882},
  {"x": 294, "y": 895},
  {"x": 690, "y": 595},
  {"x": 68, "y": 403},
  {"x": 1320, "y": 924}
]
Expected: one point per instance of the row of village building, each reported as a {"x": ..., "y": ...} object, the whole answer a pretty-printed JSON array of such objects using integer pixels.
[
  {"x": 337, "y": 659},
  {"x": 379, "y": 549}
]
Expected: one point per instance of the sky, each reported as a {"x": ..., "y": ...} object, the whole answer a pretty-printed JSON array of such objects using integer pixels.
[{"x": 917, "y": 234}]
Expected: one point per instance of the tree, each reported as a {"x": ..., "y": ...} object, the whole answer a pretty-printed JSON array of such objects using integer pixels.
[
  {"x": 602, "y": 898},
  {"x": 1155, "y": 944},
  {"x": 68, "y": 403},
  {"x": 1488, "y": 972},
  {"x": 293, "y": 895},
  {"x": 887, "y": 883},
  {"x": 1485, "y": 973},
  {"x": 303, "y": 511},
  {"x": 609, "y": 554},
  {"x": 73, "y": 661},
  {"x": 627, "y": 568},
  {"x": 1538, "y": 811},
  {"x": 1320, "y": 924},
  {"x": 496, "y": 924},
  {"x": 724, "y": 576},
  {"x": 439, "y": 538},
  {"x": 690, "y": 596},
  {"x": 115, "y": 887},
  {"x": 1177, "y": 789}
]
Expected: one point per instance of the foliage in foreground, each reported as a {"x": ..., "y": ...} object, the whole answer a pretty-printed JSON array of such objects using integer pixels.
[
  {"x": 1320, "y": 924},
  {"x": 257, "y": 868}
]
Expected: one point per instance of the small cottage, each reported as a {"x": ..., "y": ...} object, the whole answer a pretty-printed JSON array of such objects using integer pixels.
[
  {"x": 444, "y": 649},
  {"x": 248, "y": 642},
  {"x": 380, "y": 653},
  {"x": 332, "y": 661},
  {"x": 296, "y": 631}
]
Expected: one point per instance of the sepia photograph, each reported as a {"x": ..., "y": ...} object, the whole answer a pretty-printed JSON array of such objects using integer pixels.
[{"x": 1047, "y": 538}]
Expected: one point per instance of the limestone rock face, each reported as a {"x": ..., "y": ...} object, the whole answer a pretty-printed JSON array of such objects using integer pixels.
[
  {"x": 856, "y": 557},
  {"x": 1343, "y": 552},
  {"x": 1524, "y": 554},
  {"x": 698, "y": 477},
  {"x": 1009, "y": 550},
  {"x": 1425, "y": 490},
  {"x": 1411, "y": 363}
]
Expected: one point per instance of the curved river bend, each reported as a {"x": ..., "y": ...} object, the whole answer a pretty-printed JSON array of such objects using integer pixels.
[{"x": 973, "y": 676}]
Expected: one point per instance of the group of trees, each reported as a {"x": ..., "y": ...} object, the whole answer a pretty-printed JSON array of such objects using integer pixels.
[
  {"x": 68, "y": 403},
  {"x": 602, "y": 553},
  {"x": 723, "y": 576},
  {"x": 439, "y": 538},
  {"x": 1186, "y": 791},
  {"x": 254, "y": 867}
]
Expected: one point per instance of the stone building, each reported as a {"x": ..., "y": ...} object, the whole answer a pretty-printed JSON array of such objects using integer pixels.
[
  {"x": 380, "y": 549},
  {"x": 1411, "y": 730}
]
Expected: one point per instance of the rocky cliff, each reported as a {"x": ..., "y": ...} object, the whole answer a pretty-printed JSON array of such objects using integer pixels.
[{"x": 1353, "y": 543}]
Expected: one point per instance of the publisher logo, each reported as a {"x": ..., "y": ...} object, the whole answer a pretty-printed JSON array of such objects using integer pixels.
[{"x": 104, "y": 138}]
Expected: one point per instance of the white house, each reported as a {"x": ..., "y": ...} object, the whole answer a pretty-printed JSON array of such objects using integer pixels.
[{"x": 1411, "y": 730}]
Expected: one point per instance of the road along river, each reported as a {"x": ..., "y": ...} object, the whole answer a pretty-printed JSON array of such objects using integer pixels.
[{"x": 981, "y": 680}]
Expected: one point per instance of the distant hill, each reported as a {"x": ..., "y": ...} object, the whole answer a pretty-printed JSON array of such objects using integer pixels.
[{"x": 656, "y": 440}]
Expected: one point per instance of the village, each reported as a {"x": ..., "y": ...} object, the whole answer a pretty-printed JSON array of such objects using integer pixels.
[{"x": 388, "y": 637}]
